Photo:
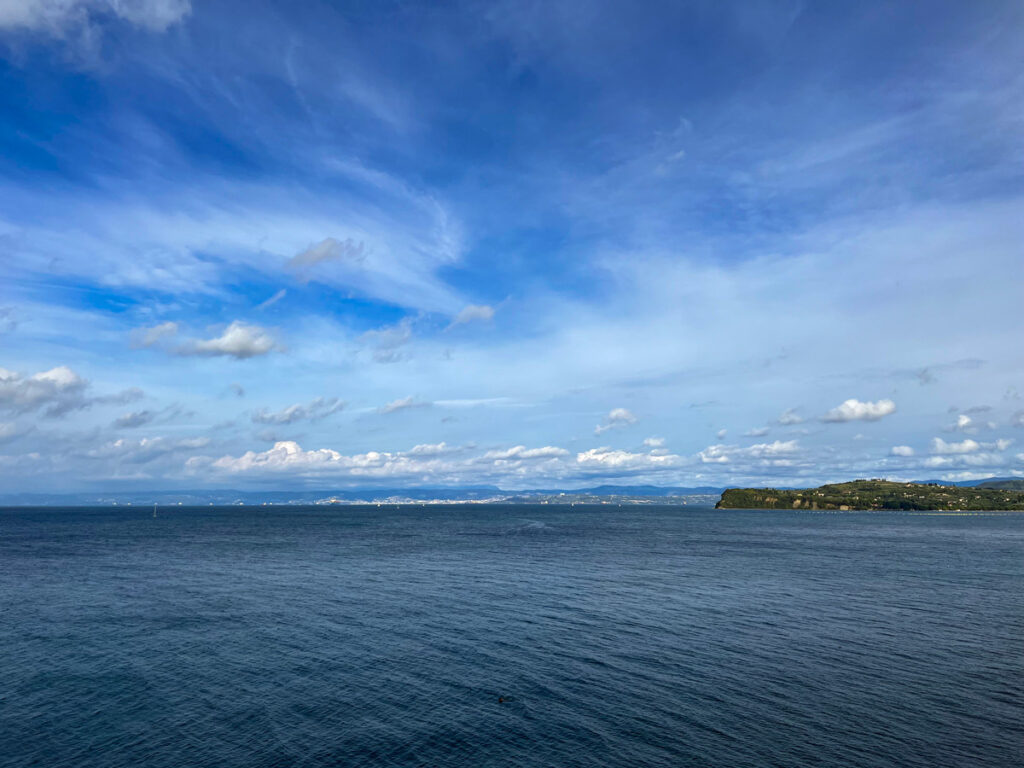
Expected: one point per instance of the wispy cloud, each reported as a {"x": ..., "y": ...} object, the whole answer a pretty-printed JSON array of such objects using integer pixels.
[
  {"x": 403, "y": 404},
  {"x": 273, "y": 299},
  {"x": 329, "y": 249},
  {"x": 316, "y": 409},
  {"x": 473, "y": 313}
]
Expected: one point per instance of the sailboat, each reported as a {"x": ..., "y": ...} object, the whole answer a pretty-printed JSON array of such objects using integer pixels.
[{"x": 154, "y": 510}]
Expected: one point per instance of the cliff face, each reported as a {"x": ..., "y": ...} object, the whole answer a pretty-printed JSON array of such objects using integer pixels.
[{"x": 874, "y": 494}]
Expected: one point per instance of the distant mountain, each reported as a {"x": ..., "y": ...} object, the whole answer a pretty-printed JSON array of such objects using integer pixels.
[
  {"x": 596, "y": 494},
  {"x": 1004, "y": 484}
]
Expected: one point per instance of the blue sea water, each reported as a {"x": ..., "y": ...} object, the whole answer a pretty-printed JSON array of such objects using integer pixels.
[{"x": 634, "y": 636}]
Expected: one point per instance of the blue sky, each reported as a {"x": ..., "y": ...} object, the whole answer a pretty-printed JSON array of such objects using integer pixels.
[{"x": 292, "y": 245}]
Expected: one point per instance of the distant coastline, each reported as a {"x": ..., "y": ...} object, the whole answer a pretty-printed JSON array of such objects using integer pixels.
[{"x": 880, "y": 495}]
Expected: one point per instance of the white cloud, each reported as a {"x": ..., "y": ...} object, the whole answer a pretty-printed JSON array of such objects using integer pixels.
[
  {"x": 1017, "y": 420},
  {"x": 790, "y": 417},
  {"x": 956, "y": 477},
  {"x": 756, "y": 432},
  {"x": 473, "y": 313},
  {"x": 770, "y": 452},
  {"x": 522, "y": 452},
  {"x": 316, "y": 409},
  {"x": 433, "y": 449},
  {"x": 776, "y": 448},
  {"x": 403, "y": 404},
  {"x": 144, "y": 450},
  {"x": 55, "y": 392},
  {"x": 715, "y": 454},
  {"x": 617, "y": 461},
  {"x": 61, "y": 17},
  {"x": 940, "y": 446},
  {"x": 855, "y": 410},
  {"x": 902, "y": 450},
  {"x": 59, "y": 389},
  {"x": 438, "y": 463},
  {"x": 239, "y": 340},
  {"x": 720, "y": 434},
  {"x": 616, "y": 418},
  {"x": 424, "y": 463},
  {"x": 654, "y": 442}
]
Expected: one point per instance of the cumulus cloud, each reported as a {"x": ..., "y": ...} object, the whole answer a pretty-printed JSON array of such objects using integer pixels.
[
  {"x": 145, "y": 449},
  {"x": 314, "y": 410},
  {"x": 433, "y": 449},
  {"x": 770, "y": 452},
  {"x": 720, "y": 434},
  {"x": 403, "y": 404},
  {"x": 940, "y": 446},
  {"x": 790, "y": 417},
  {"x": 522, "y": 452},
  {"x": 855, "y": 410},
  {"x": 424, "y": 463},
  {"x": 1017, "y": 420},
  {"x": 239, "y": 340},
  {"x": 654, "y": 442},
  {"x": 55, "y": 392},
  {"x": 58, "y": 390},
  {"x": 606, "y": 459},
  {"x": 61, "y": 18},
  {"x": 473, "y": 313},
  {"x": 329, "y": 249},
  {"x": 756, "y": 432},
  {"x": 437, "y": 463},
  {"x": 775, "y": 448},
  {"x": 616, "y": 418},
  {"x": 902, "y": 450}
]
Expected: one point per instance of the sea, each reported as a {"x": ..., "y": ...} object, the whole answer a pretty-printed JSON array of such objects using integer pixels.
[{"x": 518, "y": 635}]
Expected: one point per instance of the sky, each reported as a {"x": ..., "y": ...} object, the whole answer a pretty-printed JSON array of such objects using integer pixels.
[{"x": 301, "y": 245}]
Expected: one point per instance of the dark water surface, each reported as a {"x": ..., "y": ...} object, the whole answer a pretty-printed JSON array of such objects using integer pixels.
[{"x": 623, "y": 637}]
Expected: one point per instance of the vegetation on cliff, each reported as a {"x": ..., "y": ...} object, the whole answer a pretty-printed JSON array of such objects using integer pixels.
[{"x": 874, "y": 494}]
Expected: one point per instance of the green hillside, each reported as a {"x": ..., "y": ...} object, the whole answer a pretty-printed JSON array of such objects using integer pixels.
[{"x": 874, "y": 494}]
